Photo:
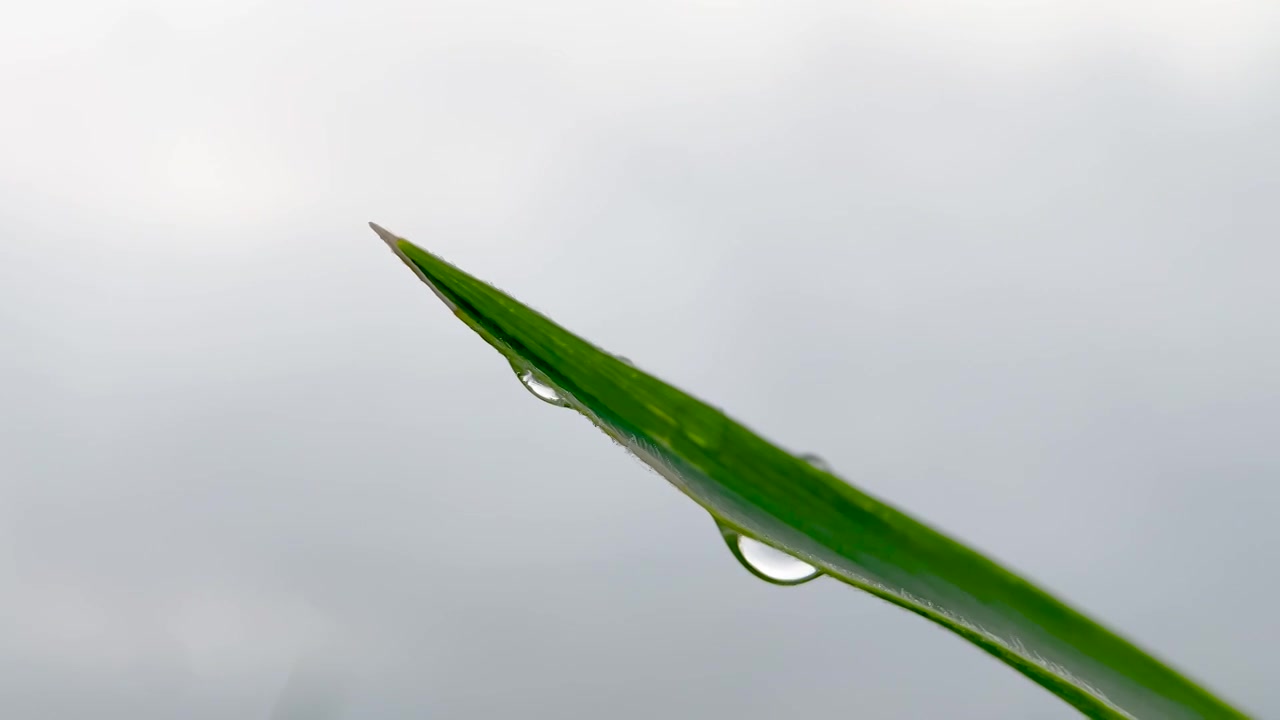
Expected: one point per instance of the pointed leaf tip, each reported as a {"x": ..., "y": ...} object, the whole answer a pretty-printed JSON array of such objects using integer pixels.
[
  {"x": 387, "y": 237},
  {"x": 393, "y": 241}
]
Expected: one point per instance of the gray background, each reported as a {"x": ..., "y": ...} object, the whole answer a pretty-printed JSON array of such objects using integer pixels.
[{"x": 1010, "y": 266}]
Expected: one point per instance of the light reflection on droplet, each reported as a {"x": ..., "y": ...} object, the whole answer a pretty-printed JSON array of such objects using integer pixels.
[
  {"x": 766, "y": 562},
  {"x": 536, "y": 387}
]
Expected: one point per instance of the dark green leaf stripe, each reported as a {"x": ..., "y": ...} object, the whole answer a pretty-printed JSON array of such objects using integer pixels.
[{"x": 767, "y": 493}]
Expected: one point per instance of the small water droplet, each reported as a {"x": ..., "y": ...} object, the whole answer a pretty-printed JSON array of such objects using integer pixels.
[
  {"x": 625, "y": 359},
  {"x": 537, "y": 387},
  {"x": 816, "y": 461},
  {"x": 766, "y": 562}
]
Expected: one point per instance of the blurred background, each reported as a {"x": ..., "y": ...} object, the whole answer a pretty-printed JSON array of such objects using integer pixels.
[{"x": 1009, "y": 266}]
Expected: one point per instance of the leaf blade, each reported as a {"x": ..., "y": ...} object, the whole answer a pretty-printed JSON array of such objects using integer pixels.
[{"x": 768, "y": 493}]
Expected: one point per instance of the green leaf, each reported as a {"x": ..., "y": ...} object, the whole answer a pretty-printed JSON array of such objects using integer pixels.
[{"x": 755, "y": 488}]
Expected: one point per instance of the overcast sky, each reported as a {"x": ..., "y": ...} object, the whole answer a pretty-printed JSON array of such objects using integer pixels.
[{"x": 1010, "y": 266}]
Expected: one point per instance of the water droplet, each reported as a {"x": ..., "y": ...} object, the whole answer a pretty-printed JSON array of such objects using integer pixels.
[
  {"x": 816, "y": 461},
  {"x": 766, "y": 562},
  {"x": 538, "y": 387},
  {"x": 625, "y": 359}
]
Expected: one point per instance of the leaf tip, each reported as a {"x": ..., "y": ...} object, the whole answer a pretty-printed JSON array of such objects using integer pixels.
[
  {"x": 398, "y": 246},
  {"x": 387, "y": 236}
]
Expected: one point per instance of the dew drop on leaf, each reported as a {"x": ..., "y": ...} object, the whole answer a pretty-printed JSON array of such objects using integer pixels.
[
  {"x": 816, "y": 461},
  {"x": 766, "y": 562},
  {"x": 537, "y": 387}
]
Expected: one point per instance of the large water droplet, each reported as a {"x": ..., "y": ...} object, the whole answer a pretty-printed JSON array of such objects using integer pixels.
[
  {"x": 816, "y": 461},
  {"x": 537, "y": 387},
  {"x": 766, "y": 562}
]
